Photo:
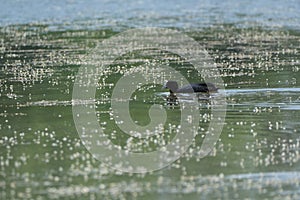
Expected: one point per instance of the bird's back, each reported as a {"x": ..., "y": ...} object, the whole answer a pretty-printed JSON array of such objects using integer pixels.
[{"x": 198, "y": 87}]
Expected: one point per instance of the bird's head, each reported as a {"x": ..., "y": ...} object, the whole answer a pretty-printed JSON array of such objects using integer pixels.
[{"x": 171, "y": 85}]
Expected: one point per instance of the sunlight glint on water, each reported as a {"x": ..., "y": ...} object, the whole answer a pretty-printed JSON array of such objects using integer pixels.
[{"x": 257, "y": 155}]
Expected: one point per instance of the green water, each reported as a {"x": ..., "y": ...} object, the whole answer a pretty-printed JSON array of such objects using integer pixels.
[{"x": 256, "y": 156}]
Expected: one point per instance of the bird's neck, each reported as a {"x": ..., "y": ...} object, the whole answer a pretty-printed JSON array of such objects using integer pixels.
[{"x": 173, "y": 88}]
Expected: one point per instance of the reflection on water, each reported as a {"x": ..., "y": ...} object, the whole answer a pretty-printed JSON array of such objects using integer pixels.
[{"x": 257, "y": 155}]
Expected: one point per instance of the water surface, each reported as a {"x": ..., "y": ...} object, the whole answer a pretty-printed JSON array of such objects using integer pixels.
[{"x": 256, "y": 51}]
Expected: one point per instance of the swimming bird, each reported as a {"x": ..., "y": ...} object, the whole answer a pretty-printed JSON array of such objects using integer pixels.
[{"x": 191, "y": 88}]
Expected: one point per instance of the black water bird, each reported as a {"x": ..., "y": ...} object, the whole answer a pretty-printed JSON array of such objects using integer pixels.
[{"x": 191, "y": 88}]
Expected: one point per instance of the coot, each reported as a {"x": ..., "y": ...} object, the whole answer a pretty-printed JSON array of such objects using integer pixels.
[{"x": 191, "y": 88}]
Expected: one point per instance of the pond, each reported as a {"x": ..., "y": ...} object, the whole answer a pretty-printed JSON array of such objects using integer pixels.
[{"x": 43, "y": 154}]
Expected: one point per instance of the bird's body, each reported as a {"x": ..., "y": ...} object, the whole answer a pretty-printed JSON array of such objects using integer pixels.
[{"x": 191, "y": 88}]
